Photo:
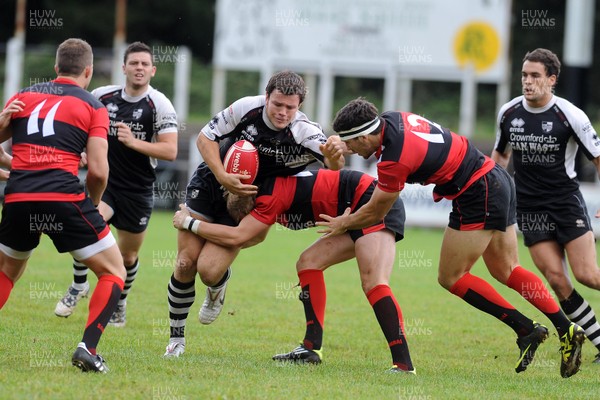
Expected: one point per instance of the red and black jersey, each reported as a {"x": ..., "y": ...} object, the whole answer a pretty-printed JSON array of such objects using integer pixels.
[
  {"x": 416, "y": 150},
  {"x": 48, "y": 138},
  {"x": 296, "y": 201}
]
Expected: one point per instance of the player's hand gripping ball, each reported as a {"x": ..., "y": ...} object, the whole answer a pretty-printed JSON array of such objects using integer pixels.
[{"x": 242, "y": 158}]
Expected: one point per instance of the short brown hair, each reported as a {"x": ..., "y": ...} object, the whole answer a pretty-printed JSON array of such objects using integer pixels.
[
  {"x": 239, "y": 206},
  {"x": 72, "y": 56},
  {"x": 287, "y": 82},
  {"x": 137, "y": 47},
  {"x": 546, "y": 57},
  {"x": 357, "y": 112}
]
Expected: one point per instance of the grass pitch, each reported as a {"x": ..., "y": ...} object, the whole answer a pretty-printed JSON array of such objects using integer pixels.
[{"x": 459, "y": 352}]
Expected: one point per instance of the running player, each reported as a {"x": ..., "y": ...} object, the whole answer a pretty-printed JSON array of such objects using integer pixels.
[
  {"x": 50, "y": 125},
  {"x": 296, "y": 203},
  {"x": 544, "y": 131},
  {"x": 412, "y": 149},
  {"x": 143, "y": 128},
  {"x": 286, "y": 141}
]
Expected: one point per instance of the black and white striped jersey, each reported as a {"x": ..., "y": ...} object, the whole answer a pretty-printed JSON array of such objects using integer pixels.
[
  {"x": 281, "y": 152},
  {"x": 544, "y": 142},
  {"x": 148, "y": 115}
]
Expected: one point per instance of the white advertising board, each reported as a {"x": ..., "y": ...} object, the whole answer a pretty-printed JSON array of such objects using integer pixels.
[
  {"x": 422, "y": 211},
  {"x": 423, "y": 38}
]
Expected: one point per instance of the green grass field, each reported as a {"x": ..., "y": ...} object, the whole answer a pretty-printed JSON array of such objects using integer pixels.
[{"x": 459, "y": 353}]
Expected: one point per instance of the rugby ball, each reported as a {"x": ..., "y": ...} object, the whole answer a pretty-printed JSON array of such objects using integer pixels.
[{"x": 242, "y": 158}]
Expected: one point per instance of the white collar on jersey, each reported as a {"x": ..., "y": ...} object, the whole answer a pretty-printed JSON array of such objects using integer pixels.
[
  {"x": 537, "y": 110},
  {"x": 135, "y": 99}
]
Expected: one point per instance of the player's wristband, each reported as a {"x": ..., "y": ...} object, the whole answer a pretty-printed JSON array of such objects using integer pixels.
[{"x": 191, "y": 224}]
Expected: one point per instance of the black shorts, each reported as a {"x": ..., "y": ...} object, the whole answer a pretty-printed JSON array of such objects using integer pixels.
[
  {"x": 132, "y": 211},
  {"x": 561, "y": 221},
  {"x": 489, "y": 203},
  {"x": 205, "y": 196},
  {"x": 394, "y": 219},
  {"x": 75, "y": 227}
]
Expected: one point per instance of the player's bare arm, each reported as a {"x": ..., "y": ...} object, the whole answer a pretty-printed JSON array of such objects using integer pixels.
[
  {"x": 501, "y": 159},
  {"x": 165, "y": 147},
  {"x": 97, "y": 161},
  {"x": 5, "y": 161},
  {"x": 372, "y": 212},
  {"x": 209, "y": 150},
  {"x": 248, "y": 233},
  {"x": 5, "y": 117}
]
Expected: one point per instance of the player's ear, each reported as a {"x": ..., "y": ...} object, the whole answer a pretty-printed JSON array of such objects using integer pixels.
[{"x": 88, "y": 71}]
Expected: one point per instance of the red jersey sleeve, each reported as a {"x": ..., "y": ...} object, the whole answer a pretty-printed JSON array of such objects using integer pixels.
[
  {"x": 391, "y": 176},
  {"x": 99, "y": 123}
]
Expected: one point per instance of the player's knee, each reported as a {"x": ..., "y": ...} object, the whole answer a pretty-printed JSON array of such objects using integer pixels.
[
  {"x": 304, "y": 261},
  {"x": 591, "y": 280},
  {"x": 556, "y": 280},
  {"x": 310, "y": 260},
  {"x": 446, "y": 281},
  {"x": 185, "y": 265},
  {"x": 130, "y": 258},
  {"x": 211, "y": 276}
]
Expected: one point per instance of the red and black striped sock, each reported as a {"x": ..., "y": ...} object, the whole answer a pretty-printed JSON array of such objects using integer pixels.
[
  {"x": 389, "y": 316},
  {"x": 313, "y": 296},
  {"x": 102, "y": 305},
  {"x": 531, "y": 287},
  {"x": 6, "y": 286},
  {"x": 484, "y": 297}
]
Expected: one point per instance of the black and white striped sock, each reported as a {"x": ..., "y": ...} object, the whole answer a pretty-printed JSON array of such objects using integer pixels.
[
  {"x": 181, "y": 298},
  {"x": 79, "y": 274},
  {"x": 580, "y": 312},
  {"x": 131, "y": 274}
]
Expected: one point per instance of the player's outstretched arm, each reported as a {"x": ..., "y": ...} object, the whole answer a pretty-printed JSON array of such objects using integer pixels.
[
  {"x": 376, "y": 208},
  {"x": 248, "y": 233}
]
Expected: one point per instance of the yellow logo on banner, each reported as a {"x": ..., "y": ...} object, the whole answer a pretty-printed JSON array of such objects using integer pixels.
[{"x": 477, "y": 43}]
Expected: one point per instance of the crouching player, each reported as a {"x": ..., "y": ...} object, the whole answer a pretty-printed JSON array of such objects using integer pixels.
[{"x": 301, "y": 198}]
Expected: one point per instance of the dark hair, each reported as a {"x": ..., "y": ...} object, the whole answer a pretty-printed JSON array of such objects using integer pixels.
[
  {"x": 287, "y": 82},
  {"x": 72, "y": 56},
  {"x": 357, "y": 112},
  {"x": 137, "y": 47},
  {"x": 546, "y": 57}
]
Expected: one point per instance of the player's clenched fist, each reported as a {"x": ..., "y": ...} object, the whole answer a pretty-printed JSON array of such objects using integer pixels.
[{"x": 124, "y": 133}]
